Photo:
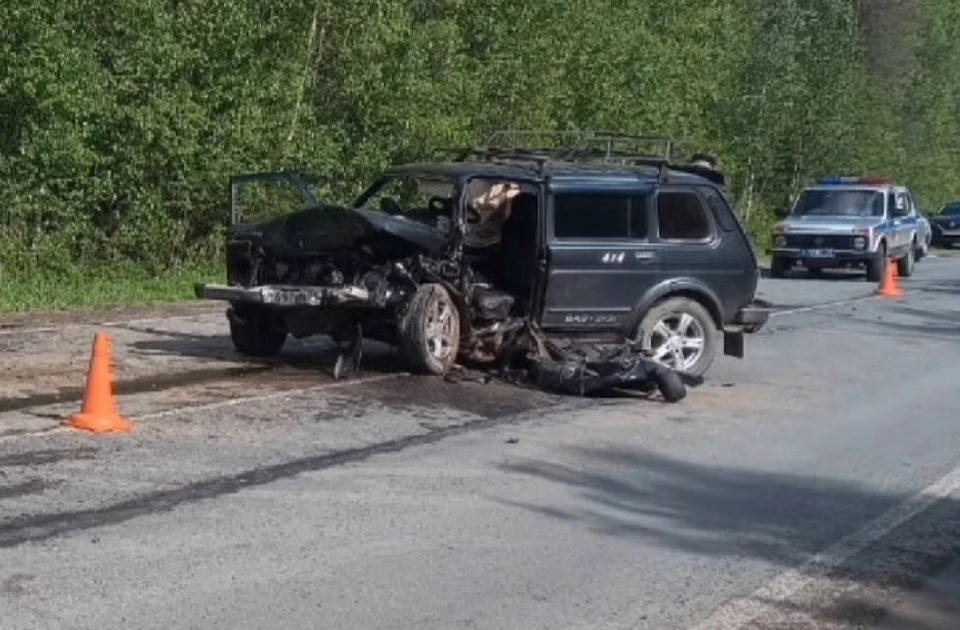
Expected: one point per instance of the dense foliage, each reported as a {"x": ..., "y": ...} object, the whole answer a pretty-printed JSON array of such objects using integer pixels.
[{"x": 120, "y": 122}]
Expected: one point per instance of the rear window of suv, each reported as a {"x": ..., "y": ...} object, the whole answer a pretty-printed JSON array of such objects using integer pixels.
[
  {"x": 600, "y": 216},
  {"x": 682, "y": 217}
]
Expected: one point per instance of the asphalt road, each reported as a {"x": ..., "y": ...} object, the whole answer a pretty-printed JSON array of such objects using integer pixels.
[{"x": 805, "y": 486}]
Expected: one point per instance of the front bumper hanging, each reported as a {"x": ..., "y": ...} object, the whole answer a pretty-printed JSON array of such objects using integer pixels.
[{"x": 285, "y": 295}]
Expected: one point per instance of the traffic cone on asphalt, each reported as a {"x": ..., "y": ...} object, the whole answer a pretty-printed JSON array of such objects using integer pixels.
[
  {"x": 888, "y": 288},
  {"x": 99, "y": 413}
]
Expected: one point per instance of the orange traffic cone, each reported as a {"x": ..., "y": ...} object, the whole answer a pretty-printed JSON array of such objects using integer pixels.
[
  {"x": 889, "y": 289},
  {"x": 98, "y": 413}
]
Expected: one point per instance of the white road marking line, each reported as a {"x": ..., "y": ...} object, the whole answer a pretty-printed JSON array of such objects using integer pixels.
[
  {"x": 27, "y": 331},
  {"x": 43, "y": 329},
  {"x": 150, "y": 320},
  {"x": 818, "y": 307},
  {"x": 272, "y": 396},
  {"x": 740, "y": 612},
  {"x": 38, "y": 433}
]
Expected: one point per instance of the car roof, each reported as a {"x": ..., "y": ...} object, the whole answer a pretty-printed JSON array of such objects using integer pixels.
[{"x": 556, "y": 171}]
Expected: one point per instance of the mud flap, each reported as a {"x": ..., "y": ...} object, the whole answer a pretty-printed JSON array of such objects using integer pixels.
[
  {"x": 349, "y": 351},
  {"x": 733, "y": 343}
]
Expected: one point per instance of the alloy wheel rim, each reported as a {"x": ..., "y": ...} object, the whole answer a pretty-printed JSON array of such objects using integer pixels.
[
  {"x": 677, "y": 341},
  {"x": 438, "y": 329}
]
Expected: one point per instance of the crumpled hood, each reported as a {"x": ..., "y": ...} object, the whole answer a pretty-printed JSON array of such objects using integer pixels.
[{"x": 320, "y": 230}]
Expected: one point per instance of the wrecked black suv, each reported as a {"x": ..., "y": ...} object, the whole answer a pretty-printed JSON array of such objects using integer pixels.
[{"x": 588, "y": 266}]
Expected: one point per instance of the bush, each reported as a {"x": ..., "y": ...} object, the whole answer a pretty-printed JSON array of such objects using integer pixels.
[{"x": 121, "y": 122}]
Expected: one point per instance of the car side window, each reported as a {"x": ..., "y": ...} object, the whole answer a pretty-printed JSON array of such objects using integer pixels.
[
  {"x": 722, "y": 212},
  {"x": 682, "y": 216},
  {"x": 912, "y": 204},
  {"x": 900, "y": 207},
  {"x": 600, "y": 216}
]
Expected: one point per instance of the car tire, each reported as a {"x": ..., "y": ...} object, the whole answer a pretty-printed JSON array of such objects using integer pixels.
[
  {"x": 429, "y": 331},
  {"x": 670, "y": 385},
  {"x": 905, "y": 265},
  {"x": 877, "y": 266},
  {"x": 778, "y": 267},
  {"x": 256, "y": 331},
  {"x": 681, "y": 316}
]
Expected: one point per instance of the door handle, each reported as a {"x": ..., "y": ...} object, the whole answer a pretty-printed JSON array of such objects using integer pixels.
[{"x": 645, "y": 257}]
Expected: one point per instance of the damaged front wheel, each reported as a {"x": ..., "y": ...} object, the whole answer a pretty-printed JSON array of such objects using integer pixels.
[
  {"x": 256, "y": 331},
  {"x": 429, "y": 331}
]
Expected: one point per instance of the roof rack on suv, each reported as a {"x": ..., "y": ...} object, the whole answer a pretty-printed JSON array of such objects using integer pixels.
[{"x": 539, "y": 148}]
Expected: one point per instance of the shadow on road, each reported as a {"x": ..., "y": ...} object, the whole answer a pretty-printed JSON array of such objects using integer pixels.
[
  {"x": 311, "y": 354},
  {"x": 782, "y": 519},
  {"x": 922, "y": 323}
]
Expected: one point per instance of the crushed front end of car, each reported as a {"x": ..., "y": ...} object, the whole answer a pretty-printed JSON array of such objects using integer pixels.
[{"x": 401, "y": 278}]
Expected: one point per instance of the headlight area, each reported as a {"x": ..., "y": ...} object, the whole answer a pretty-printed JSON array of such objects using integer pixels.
[
  {"x": 860, "y": 242},
  {"x": 779, "y": 240}
]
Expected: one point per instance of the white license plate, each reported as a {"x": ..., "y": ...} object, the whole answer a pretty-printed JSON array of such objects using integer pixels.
[
  {"x": 951, "y": 232},
  {"x": 819, "y": 253}
]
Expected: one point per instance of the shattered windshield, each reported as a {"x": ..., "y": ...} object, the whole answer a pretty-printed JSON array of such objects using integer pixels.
[
  {"x": 834, "y": 203},
  {"x": 417, "y": 197}
]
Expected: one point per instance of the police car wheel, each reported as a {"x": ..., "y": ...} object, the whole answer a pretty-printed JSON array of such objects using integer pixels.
[
  {"x": 877, "y": 266},
  {"x": 905, "y": 264}
]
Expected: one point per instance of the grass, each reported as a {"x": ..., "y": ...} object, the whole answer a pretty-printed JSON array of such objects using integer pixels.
[{"x": 101, "y": 289}]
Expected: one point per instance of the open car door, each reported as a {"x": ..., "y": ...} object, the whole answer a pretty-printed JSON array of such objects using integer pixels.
[{"x": 258, "y": 196}]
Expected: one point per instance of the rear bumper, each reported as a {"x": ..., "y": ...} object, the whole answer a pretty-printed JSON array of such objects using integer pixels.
[
  {"x": 753, "y": 316},
  {"x": 285, "y": 296}
]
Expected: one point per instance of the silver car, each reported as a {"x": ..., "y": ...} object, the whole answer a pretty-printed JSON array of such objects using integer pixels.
[{"x": 851, "y": 223}]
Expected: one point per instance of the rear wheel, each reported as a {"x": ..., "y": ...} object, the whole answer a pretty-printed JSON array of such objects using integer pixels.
[
  {"x": 922, "y": 249},
  {"x": 905, "y": 265},
  {"x": 429, "y": 331},
  {"x": 680, "y": 334},
  {"x": 256, "y": 331}
]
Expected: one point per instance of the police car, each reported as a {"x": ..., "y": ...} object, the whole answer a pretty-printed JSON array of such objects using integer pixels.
[{"x": 851, "y": 222}]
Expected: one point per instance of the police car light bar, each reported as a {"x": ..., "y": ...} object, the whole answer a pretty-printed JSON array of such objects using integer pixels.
[{"x": 840, "y": 181}]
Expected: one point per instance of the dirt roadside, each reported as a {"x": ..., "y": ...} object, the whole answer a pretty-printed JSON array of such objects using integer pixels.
[{"x": 36, "y": 319}]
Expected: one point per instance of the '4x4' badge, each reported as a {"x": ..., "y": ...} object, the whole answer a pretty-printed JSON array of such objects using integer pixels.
[{"x": 613, "y": 257}]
